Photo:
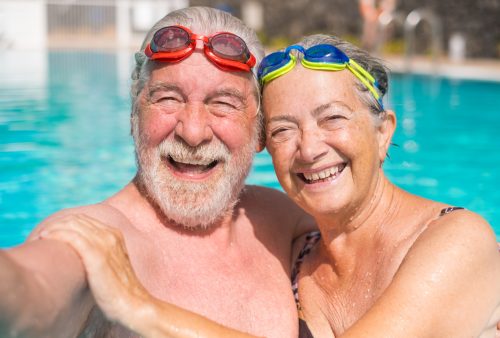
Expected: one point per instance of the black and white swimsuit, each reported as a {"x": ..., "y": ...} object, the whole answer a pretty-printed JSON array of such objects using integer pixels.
[{"x": 311, "y": 240}]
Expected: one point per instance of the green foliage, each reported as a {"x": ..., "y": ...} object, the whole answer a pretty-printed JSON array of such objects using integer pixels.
[{"x": 394, "y": 47}]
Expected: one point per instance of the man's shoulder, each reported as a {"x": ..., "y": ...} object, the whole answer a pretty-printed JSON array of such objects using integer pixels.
[
  {"x": 106, "y": 211},
  {"x": 102, "y": 211},
  {"x": 273, "y": 205},
  {"x": 268, "y": 198}
]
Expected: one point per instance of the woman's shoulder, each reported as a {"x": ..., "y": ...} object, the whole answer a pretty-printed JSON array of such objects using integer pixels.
[
  {"x": 460, "y": 235},
  {"x": 449, "y": 223},
  {"x": 459, "y": 224}
]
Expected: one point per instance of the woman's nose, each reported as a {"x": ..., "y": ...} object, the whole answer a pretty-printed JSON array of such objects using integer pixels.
[{"x": 312, "y": 146}]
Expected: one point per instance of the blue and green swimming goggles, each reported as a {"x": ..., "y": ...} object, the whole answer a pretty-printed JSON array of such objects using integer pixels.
[{"x": 319, "y": 57}]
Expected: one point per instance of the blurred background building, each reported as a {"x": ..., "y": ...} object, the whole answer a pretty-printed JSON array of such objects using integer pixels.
[{"x": 469, "y": 27}]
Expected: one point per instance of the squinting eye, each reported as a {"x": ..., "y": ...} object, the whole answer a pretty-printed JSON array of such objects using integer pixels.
[
  {"x": 332, "y": 120},
  {"x": 166, "y": 99},
  {"x": 224, "y": 104},
  {"x": 333, "y": 117},
  {"x": 281, "y": 134},
  {"x": 278, "y": 131},
  {"x": 224, "y": 108}
]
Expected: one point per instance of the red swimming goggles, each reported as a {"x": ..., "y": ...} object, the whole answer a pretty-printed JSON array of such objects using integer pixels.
[{"x": 175, "y": 43}]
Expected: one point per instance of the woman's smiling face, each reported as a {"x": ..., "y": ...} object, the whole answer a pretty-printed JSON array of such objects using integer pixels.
[{"x": 326, "y": 146}]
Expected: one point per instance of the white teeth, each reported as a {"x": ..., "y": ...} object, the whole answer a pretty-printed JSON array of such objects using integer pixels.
[
  {"x": 192, "y": 161},
  {"x": 322, "y": 174}
]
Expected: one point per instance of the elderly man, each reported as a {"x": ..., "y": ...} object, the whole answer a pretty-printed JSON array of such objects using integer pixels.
[{"x": 197, "y": 237}]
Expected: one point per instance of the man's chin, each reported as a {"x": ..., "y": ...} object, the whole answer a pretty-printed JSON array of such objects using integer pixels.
[
  {"x": 190, "y": 205},
  {"x": 199, "y": 203},
  {"x": 189, "y": 223}
]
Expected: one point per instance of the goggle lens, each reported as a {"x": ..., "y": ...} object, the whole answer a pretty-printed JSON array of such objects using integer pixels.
[
  {"x": 229, "y": 46},
  {"x": 170, "y": 39},
  {"x": 273, "y": 61},
  {"x": 326, "y": 53},
  {"x": 174, "y": 43}
]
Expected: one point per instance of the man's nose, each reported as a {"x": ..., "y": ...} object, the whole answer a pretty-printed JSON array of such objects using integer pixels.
[{"x": 193, "y": 125}]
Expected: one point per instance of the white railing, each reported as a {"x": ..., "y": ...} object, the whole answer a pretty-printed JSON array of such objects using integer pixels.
[
  {"x": 36, "y": 24},
  {"x": 413, "y": 19}
]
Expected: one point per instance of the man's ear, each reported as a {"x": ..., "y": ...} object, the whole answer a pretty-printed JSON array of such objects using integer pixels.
[{"x": 386, "y": 131}]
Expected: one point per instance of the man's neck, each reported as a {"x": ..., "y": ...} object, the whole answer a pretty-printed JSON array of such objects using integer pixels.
[{"x": 153, "y": 220}]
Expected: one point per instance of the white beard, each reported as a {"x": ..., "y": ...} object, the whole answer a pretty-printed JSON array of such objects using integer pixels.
[{"x": 192, "y": 204}]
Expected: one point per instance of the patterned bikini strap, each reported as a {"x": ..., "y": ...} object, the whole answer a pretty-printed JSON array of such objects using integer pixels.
[
  {"x": 451, "y": 209},
  {"x": 311, "y": 239},
  {"x": 448, "y": 210}
]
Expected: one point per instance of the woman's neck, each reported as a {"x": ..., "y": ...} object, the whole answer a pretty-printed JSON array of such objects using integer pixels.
[{"x": 364, "y": 226}]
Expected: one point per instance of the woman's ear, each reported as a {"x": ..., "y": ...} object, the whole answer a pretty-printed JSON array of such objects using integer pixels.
[
  {"x": 386, "y": 131},
  {"x": 261, "y": 144}
]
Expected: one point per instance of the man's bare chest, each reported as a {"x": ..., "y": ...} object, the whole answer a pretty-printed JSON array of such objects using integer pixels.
[
  {"x": 242, "y": 291},
  {"x": 244, "y": 288}
]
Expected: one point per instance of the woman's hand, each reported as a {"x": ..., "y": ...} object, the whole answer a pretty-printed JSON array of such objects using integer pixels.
[{"x": 110, "y": 275}]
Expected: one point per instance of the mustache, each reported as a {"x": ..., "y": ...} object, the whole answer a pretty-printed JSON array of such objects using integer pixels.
[{"x": 180, "y": 151}]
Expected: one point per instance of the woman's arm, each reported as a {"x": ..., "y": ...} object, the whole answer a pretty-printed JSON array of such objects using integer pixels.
[
  {"x": 116, "y": 288},
  {"x": 447, "y": 286}
]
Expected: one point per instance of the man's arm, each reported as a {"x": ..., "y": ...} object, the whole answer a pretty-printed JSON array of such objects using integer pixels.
[
  {"x": 117, "y": 290},
  {"x": 43, "y": 291}
]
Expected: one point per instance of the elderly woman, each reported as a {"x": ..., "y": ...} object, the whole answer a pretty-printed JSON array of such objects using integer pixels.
[{"x": 385, "y": 263}]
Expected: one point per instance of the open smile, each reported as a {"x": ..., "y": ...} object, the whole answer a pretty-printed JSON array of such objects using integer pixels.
[
  {"x": 323, "y": 175},
  {"x": 192, "y": 168}
]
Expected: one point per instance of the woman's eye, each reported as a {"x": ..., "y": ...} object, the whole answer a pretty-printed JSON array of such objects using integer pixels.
[
  {"x": 332, "y": 120},
  {"x": 278, "y": 131},
  {"x": 281, "y": 134},
  {"x": 333, "y": 117}
]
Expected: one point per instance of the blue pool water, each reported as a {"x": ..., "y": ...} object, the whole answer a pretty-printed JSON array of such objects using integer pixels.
[{"x": 64, "y": 138}]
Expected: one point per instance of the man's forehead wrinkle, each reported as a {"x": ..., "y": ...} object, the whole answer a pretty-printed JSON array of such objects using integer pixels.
[
  {"x": 159, "y": 85},
  {"x": 229, "y": 91},
  {"x": 223, "y": 91}
]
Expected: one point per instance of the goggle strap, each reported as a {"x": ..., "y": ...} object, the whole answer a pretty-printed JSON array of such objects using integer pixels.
[
  {"x": 322, "y": 65},
  {"x": 364, "y": 81},
  {"x": 367, "y": 79},
  {"x": 362, "y": 70},
  {"x": 280, "y": 71}
]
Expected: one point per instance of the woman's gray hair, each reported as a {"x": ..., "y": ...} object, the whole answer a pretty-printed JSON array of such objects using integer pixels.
[
  {"x": 371, "y": 64},
  {"x": 201, "y": 20}
]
